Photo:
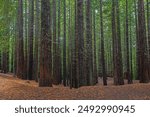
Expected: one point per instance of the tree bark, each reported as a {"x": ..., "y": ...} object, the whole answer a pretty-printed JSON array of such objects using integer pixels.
[
  {"x": 30, "y": 40},
  {"x": 59, "y": 72},
  {"x": 89, "y": 49},
  {"x": 117, "y": 56},
  {"x": 64, "y": 47},
  {"x": 20, "y": 51},
  {"x": 102, "y": 45},
  {"x": 55, "y": 44},
  {"x": 127, "y": 46},
  {"x": 45, "y": 46},
  {"x": 37, "y": 39},
  {"x": 142, "y": 49}
]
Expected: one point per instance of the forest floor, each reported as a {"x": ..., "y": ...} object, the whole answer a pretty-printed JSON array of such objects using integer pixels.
[{"x": 15, "y": 89}]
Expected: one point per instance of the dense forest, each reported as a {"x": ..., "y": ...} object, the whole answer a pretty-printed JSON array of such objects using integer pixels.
[{"x": 75, "y": 42}]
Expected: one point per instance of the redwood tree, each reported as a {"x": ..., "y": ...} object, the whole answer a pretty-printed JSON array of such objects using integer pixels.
[
  {"x": 128, "y": 73},
  {"x": 30, "y": 40},
  {"x": 102, "y": 46},
  {"x": 64, "y": 47},
  {"x": 37, "y": 38},
  {"x": 142, "y": 48},
  {"x": 20, "y": 51},
  {"x": 45, "y": 46},
  {"x": 116, "y": 36},
  {"x": 80, "y": 43},
  {"x": 89, "y": 54}
]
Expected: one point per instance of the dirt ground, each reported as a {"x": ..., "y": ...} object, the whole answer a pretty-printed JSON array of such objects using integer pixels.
[{"x": 15, "y": 89}]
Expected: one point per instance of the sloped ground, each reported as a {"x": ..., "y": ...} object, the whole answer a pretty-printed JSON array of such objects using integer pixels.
[{"x": 15, "y": 89}]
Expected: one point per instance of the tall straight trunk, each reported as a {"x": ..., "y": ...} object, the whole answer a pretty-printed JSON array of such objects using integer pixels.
[
  {"x": 20, "y": 51},
  {"x": 131, "y": 58},
  {"x": 114, "y": 37},
  {"x": 75, "y": 76},
  {"x": 69, "y": 74},
  {"x": 148, "y": 28},
  {"x": 75, "y": 81},
  {"x": 37, "y": 38},
  {"x": 45, "y": 46},
  {"x": 94, "y": 57},
  {"x": 119, "y": 51},
  {"x": 117, "y": 56},
  {"x": 137, "y": 41},
  {"x": 71, "y": 42},
  {"x": 64, "y": 47},
  {"x": 55, "y": 56},
  {"x": 25, "y": 39},
  {"x": 30, "y": 40},
  {"x": 148, "y": 25},
  {"x": 102, "y": 45},
  {"x": 59, "y": 72},
  {"x": 80, "y": 44},
  {"x": 127, "y": 46},
  {"x": 89, "y": 55},
  {"x": 142, "y": 49}
]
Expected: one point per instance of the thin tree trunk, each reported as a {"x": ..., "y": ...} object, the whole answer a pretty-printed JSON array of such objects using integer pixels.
[
  {"x": 30, "y": 40},
  {"x": 64, "y": 47},
  {"x": 59, "y": 73},
  {"x": 137, "y": 41},
  {"x": 148, "y": 28},
  {"x": 20, "y": 51},
  {"x": 131, "y": 58},
  {"x": 55, "y": 56},
  {"x": 37, "y": 38},
  {"x": 94, "y": 57},
  {"x": 26, "y": 39},
  {"x": 78, "y": 3},
  {"x": 127, "y": 46}
]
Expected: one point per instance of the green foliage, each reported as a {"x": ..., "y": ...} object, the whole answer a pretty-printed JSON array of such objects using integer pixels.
[{"x": 7, "y": 21}]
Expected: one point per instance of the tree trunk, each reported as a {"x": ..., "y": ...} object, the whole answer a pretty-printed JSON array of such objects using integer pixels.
[
  {"x": 148, "y": 28},
  {"x": 55, "y": 56},
  {"x": 45, "y": 46},
  {"x": 89, "y": 55},
  {"x": 128, "y": 74},
  {"x": 131, "y": 50},
  {"x": 142, "y": 49},
  {"x": 75, "y": 76},
  {"x": 25, "y": 39},
  {"x": 20, "y": 51},
  {"x": 59, "y": 72},
  {"x": 137, "y": 41},
  {"x": 94, "y": 57},
  {"x": 64, "y": 47},
  {"x": 117, "y": 56},
  {"x": 30, "y": 40},
  {"x": 102, "y": 46},
  {"x": 80, "y": 44},
  {"x": 37, "y": 39}
]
